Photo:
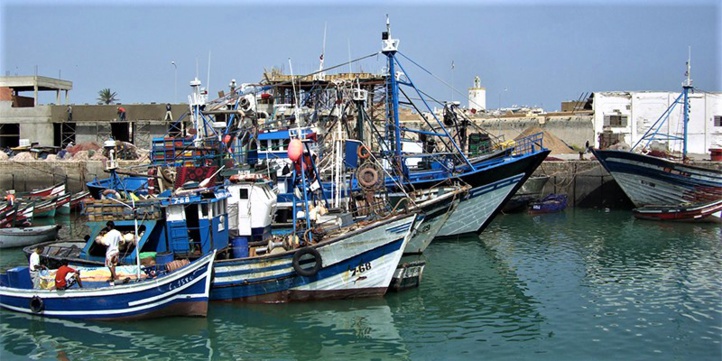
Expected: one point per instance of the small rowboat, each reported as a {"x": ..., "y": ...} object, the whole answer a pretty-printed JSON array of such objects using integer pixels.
[
  {"x": 25, "y": 236},
  {"x": 550, "y": 204},
  {"x": 696, "y": 212}
]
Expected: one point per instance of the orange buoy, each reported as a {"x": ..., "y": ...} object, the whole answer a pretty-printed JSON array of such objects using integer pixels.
[
  {"x": 295, "y": 149},
  {"x": 363, "y": 152}
]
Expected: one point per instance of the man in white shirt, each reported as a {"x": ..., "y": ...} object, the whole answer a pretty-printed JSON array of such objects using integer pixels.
[
  {"x": 112, "y": 239},
  {"x": 35, "y": 266}
]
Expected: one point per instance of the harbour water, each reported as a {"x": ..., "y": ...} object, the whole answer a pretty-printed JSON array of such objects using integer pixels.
[{"x": 578, "y": 285}]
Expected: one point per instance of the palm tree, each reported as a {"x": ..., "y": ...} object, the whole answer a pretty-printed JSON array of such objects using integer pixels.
[{"x": 106, "y": 96}]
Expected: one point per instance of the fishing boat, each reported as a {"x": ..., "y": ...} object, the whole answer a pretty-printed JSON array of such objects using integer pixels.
[
  {"x": 48, "y": 207},
  {"x": 552, "y": 203},
  {"x": 54, "y": 190},
  {"x": 494, "y": 178},
  {"x": 24, "y": 236},
  {"x": 328, "y": 254},
  {"x": 16, "y": 215},
  {"x": 703, "y": 212},
  {"x": 649, "y": 177},
  {"x": 336, "y": 256},
  {"x": 436, "y": 205},
  {"x": 177, "y": 292},
  {"x": 77, "y": 199}
]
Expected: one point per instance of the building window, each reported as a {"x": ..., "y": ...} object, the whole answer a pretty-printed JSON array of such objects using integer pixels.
[
  {"x": 718, "y": 120},
  {"x": 615, "y": 120},
  {"x": 9, "y": 135}
]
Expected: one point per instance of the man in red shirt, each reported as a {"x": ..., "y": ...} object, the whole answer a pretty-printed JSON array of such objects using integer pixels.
[
  {"x": 66, "y": 277},
  {"x": 121, "y": 113}
]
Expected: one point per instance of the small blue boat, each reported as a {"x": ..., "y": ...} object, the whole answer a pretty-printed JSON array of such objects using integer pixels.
[
  {"x": 182, "y": 292},
  {"x": 550, "y": 204}
]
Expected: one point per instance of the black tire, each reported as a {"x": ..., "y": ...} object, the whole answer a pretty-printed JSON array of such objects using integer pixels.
[
  {"x": 307, "y": 272},
  {"x": 36, "y": 304}
]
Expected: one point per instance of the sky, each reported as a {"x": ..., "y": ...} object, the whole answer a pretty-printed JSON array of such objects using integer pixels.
[{"x": 528, "y": 53}]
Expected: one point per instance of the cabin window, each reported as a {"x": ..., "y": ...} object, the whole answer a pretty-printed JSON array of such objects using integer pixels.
[
  {"x": 615, "y": 120},
  {"x": 243, "y": 193},
  {"x": 718, "y": 120}
]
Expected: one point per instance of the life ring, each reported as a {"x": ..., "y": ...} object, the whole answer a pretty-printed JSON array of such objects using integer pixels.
[
  {"x": 367, "y": 177},
  {"x": 110, "y": 191},
  {"x": 307, "y": 272},
  {"x": 36, "y": 304},
  {"x": 363, "y": 152}
]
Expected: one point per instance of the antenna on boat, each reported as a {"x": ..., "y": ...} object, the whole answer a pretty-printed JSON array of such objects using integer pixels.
[
  {"x": 688, "y": 72},
  {"x": 320, "y": 74},
  {"x": 295, "y": 98},
  {"x": 390, "y": 45},
  {"x": 208, "y": 79}
]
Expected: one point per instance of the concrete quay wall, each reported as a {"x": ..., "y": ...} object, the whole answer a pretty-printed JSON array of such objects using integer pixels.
[
  {"x": 585, "y": 182},
  {"x": 23, "y": 176}
]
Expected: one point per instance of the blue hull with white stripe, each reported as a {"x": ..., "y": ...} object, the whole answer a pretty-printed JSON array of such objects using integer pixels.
[{"x": 183, "y": 292}]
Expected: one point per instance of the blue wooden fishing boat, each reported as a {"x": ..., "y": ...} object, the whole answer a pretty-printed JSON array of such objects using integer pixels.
[
  {"x": 334, "y": 256},
  {"x": 181, "y": 292}
]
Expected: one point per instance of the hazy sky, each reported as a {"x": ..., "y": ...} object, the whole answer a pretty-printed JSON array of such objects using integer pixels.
[{"x": 536, "y": 53}]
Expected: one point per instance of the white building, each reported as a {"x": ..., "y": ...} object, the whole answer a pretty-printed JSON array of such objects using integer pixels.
[
  {"x": 477, "y": 96},
  {"x": 626, "y": 116}
]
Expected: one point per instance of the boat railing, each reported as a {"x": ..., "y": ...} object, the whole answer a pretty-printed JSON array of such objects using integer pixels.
[{"x": 529, "y": 144}]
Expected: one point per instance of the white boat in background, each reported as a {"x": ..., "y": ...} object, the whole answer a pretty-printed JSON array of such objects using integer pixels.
[
  {"x": 25, "y": 236},
  {"x": 652, "y": 177}
]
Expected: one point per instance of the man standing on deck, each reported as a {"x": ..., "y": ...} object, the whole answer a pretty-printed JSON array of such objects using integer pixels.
[
  {"x": 35, "y": 266},
  {"x": 112, "y": 240}
]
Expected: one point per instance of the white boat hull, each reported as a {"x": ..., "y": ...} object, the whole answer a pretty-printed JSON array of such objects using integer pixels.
[{"x": 21, "y": 237}]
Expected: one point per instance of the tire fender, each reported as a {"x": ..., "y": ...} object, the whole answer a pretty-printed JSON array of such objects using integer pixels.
[
  {"x": 307, "y": 272},
  {"x": 36, "y": 304}
]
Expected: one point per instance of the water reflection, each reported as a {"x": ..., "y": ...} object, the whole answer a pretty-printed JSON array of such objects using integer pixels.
[
  {"x": 32, "y": 337},
  {"x": 469, "y": 299},
  {"x": 572, "y": 286},
  {"x": 612, "y": 277},
  {"x": 306, "y": 331}
]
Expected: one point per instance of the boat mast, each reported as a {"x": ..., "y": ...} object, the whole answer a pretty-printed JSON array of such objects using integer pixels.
[
  {"x": 686, "y": 86},
  {"x": 389, "y": 48}
]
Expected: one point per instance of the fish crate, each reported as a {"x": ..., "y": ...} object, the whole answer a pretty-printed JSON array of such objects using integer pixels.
[{"x": 108, "y": 210}]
